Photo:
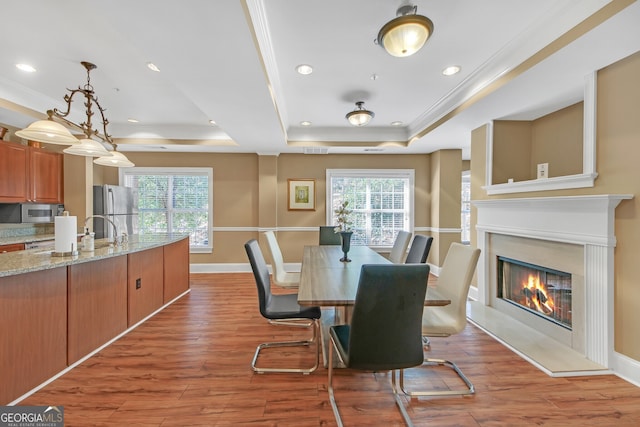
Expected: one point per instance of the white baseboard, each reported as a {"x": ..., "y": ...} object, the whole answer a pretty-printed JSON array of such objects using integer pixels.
[{"x": 626, "y": 368}]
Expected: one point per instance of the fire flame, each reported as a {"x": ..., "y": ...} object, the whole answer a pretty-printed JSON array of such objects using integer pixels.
[{"x": 536, "y": 296}]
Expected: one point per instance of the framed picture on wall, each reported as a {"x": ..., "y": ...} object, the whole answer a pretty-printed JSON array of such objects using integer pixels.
[{"x": 301, "y": 194}]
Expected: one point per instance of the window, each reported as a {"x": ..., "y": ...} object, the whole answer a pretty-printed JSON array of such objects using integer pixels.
[
  {"x": 174, "y": 200},
  {"x": 465, "y": 219},
  {"x": 381, "y": 201}
]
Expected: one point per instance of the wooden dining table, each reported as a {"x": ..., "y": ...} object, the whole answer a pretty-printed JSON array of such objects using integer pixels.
[{"x": 326, "y": 281}]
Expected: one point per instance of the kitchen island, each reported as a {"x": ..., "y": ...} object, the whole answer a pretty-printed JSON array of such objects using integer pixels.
[{"x": 56, "y": 311}]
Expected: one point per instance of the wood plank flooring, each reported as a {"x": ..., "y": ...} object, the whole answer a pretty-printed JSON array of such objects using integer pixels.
[{"x": 190, "y": 365}]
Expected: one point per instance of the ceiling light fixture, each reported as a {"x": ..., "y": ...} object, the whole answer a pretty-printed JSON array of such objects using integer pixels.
[
  {"x": 451, "y": 70},
  {"x": 360, "y": 116},
  {"x": 405, "y": 34},
  {"x": 88, "y": 148},
  {"x": 305, "y": 123},
  {"x": 51, "y": 132},
  {"x": 304, "y": 69},
  {"x": 153, "y": 67},
  {"x": 26, "y": 68}
]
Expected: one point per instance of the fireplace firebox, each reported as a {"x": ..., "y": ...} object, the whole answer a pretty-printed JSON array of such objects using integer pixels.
[{"x": 542, "y": 291}]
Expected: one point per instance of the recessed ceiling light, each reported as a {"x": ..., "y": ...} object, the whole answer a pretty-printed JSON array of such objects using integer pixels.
[
  {"x": 132, "y": 120},
  {"x": 450, "y": 71},
  {"x": 304, "y": 69},
  {"x": 305, "y": 123},
  {"x": 26, "y": 68},
  {"x": 153, "y": 67},
  {"x": 213, "y": 122},
  {"x": 396, "y": 123}
]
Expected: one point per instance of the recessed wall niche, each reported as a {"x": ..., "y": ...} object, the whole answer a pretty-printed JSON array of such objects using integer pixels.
[{"x": 563, "y": 139}]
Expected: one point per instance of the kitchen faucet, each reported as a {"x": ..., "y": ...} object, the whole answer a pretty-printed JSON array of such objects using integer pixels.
[{"x": 116, "y": 241}]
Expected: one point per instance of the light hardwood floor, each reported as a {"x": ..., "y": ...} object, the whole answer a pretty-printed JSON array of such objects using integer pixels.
[{"x": 189, "y": 365}]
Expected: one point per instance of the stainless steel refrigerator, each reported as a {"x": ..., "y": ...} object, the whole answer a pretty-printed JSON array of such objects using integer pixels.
[{"x": 120, "y": 205}]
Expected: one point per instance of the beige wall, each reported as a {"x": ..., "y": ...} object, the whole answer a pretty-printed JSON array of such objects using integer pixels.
[
  {"x": 251, "y": 191},
  {"x": 556, "y": 138},
  {"x": 617, "y": 153}
]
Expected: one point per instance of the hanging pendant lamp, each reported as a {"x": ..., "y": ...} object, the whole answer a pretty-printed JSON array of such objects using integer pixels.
[
  {"x": 360, "y": 116},
  {"x": 405, "y": 34}
]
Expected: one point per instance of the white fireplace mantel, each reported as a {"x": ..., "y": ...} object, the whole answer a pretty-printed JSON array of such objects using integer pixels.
[{"x": 582, "y": 220}]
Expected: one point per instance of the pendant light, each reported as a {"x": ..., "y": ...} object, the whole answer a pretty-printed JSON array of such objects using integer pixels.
[
  {"x": 360, "y": 116},
  {"x": 52, "y": 132},
  {"x": 405, "y": 34},
  {"x": 89, "y": 148}
]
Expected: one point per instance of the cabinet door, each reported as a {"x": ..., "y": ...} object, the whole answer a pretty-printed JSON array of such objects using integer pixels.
[
  {"x": 14, "y": 165},
  {"x": 46, "y": 171},
  {"x": 146, "y": 283},
  {"x": 176, "y": 269}
]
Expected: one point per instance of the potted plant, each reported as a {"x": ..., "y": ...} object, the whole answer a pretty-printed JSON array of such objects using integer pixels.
[{"x": 344, "y": 228}]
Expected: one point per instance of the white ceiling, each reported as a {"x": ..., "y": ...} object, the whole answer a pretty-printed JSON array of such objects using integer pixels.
[{"x": 234, "y": 62}]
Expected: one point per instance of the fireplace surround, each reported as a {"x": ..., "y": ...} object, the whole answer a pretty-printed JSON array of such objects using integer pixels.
[{"x": 574, "y": 235}]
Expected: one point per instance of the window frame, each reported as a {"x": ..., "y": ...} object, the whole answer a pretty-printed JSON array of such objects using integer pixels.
[
  {"x": 180, "y": 171},
  {"x": 372, "y": 173}
]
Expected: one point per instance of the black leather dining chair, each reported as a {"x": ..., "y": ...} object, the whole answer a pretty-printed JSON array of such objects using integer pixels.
[
  {"x": 419, "y": 250},
  {"x": 386, "y": 325},
  {"x": 282, "y": 308},
  {"x": 328, "y": 236}
]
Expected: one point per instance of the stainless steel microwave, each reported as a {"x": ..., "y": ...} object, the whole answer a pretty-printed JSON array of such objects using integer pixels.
[{"x": 21, "y": 213}]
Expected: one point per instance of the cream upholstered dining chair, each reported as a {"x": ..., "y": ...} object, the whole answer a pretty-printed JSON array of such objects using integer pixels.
[
  {"x": 443, "y": 321},
  {"x": 280, "y": 277},
  {"x": 399, "y": 249}
]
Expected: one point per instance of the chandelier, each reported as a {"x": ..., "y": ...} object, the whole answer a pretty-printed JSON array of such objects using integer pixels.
[{"x": 52, "y": 132}]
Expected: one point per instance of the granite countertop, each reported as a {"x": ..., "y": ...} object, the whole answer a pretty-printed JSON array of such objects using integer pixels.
[
  {"x": 27, "y": 239},
  {"x": 13, "y": 263}
]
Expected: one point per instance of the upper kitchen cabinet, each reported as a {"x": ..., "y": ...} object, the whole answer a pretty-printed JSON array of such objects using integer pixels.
[{"x": 30, "y": 174}]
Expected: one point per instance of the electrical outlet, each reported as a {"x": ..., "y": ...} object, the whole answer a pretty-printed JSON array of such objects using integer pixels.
[
  {"x": 543, "y": 170},
  {"x": 138, "y": 283}
]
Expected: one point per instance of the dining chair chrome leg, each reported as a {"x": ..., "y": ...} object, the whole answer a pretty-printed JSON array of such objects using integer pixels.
[
  {"x": 332, "y": 398},
  {"x": 396, "y": 396},
  {"x": 296, "y": 323},
  {"x": 315, "y": 325},
  {"x": 440, "y": 362}
]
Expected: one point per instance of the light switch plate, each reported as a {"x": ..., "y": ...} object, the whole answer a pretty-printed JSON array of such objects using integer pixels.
[{"x": 543, "y": 170}]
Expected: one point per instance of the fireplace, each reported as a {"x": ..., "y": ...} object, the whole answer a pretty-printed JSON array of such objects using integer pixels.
[
  {"x": 569, "y": 242},
  {"x": 541, "y": 291}
]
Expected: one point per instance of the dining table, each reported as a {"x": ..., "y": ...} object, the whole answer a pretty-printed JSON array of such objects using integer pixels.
[{"x": 325, "y": 281}]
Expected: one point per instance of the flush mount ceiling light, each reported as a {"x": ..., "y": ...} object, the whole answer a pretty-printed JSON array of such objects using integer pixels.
[
  {"x": 52, "y": 132},
  {"x": 360, "y": 116},
  {"x": 451, "y": 70},
  {"x": 405, "y": 34}
]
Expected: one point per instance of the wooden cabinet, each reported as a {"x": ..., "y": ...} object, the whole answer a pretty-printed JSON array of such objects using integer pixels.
[
  {"x": 33, "y": 330},
  {"x": 14, "y": 165},
  {"x": 176, "y": 269},
  {"x": 12, "y": 247},
  {"x": 30, "y": 174},
  {"x": 97, "y": 293},
  {"x": 145, "y": 283},
  {"x": 46, "y": 183}
]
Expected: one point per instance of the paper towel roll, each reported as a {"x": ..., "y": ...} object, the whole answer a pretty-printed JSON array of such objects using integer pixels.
[{"x": 66, "y": 233}]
